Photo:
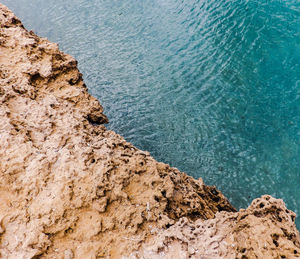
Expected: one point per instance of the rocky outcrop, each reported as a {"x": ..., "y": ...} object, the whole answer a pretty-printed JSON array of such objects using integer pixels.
[
  {"x": 70, "y": 188},
  {"x": 266, "y": 229}
]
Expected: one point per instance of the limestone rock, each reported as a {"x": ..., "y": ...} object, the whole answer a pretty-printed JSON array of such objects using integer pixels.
[{"x": 266, "y": 229}]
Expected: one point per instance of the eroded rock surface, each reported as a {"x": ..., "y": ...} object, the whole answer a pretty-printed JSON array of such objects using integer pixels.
[
  {"x": 70, "y": 188},
  {"x": 68, "y": 185},
  {"x": 265, "y": 229}
]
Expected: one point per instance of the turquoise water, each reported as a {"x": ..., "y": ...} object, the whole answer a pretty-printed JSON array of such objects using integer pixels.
[{"x": 210, "y": 87}]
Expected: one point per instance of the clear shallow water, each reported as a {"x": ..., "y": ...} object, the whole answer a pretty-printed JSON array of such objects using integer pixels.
[{"x": 210, "y": 87}]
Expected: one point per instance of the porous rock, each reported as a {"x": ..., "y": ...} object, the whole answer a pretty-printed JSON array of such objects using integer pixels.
[{"x": 266, "y": 229}]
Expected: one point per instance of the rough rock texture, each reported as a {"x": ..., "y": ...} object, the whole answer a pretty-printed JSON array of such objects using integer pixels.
[
  {"x": 69, "y": 188},
  {"x": 265, "y": 229},
  {"x": 67, "y": 185}
]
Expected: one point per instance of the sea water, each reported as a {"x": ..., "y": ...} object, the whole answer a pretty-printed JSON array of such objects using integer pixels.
[{"x": 210, "y": 87}]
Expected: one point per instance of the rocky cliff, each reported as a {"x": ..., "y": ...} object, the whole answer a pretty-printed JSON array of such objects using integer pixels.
[{"x": 70, "y": 188}]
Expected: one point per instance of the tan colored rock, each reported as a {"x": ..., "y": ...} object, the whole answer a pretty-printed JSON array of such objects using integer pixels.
[
  {"x": 70, "y": 188},
  {"x": 266, "y": 229}
]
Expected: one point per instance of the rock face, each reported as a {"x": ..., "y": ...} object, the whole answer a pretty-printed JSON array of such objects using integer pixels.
[
  {"x": 265, "y": 229},
  {"x": 70, "y": 188}
]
